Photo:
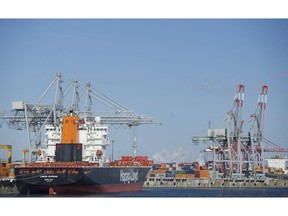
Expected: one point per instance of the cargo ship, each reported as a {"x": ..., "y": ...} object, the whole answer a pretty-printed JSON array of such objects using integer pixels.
[{"x": 74, "y": 161}]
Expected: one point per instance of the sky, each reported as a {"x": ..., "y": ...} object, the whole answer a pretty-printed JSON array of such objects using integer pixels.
[{"x": 182, "y": 72}]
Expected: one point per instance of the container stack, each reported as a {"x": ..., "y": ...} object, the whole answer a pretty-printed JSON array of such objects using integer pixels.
[
  {"x": 180, "y": 174},
  {"x": 202, "y": 174},
  {"x": 159, "y": 170},
  {"x": 178, "y": 171}
]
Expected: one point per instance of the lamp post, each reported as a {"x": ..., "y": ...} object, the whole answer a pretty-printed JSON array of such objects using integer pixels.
[{"x": 112, "y": 150}]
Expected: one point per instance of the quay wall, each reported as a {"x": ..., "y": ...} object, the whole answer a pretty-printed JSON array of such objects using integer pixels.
[
  {"x": 214, "y": 183},
  {"x": 8, "y": 186}
]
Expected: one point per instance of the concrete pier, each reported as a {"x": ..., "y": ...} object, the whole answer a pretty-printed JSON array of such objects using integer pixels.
[
  {"x": 214, "y": 183},
  {"x": 8, "y": 186}
]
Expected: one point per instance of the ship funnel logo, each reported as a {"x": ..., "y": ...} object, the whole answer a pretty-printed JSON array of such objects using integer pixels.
[{"x": 128, "y": 176}]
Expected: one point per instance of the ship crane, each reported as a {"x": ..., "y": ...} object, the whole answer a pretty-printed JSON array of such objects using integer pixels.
[{"x": 32, "y": 117}]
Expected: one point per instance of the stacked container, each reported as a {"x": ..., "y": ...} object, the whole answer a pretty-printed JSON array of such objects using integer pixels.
[{"x": 202, "y": 174}]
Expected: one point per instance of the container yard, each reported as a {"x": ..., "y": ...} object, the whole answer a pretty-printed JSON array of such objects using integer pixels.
[
  {"x": 191, "y": 175},
  {"x": 214, "y": 183}
]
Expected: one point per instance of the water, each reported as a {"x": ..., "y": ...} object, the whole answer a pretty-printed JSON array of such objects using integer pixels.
[
  {"x": 159, "y": 201},
  {"x": 203, "y": 192},
  {"x": 185, "y": 192}
]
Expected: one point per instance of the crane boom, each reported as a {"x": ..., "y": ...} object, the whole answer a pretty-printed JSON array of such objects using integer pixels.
[{"x": 34, "y": 116}]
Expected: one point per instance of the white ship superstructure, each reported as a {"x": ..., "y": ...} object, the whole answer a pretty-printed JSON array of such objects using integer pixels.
[{"x": 92, "y": 135}]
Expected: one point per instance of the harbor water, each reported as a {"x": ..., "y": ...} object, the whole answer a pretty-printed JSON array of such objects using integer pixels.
[
  {"x": 182, "y": 192},
  {"x": 204, "y": 192},
  {"x": 160, "y": 201}
]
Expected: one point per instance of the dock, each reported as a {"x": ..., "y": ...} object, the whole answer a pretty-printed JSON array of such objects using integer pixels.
[
  {"x": 8, "y": 186},
  {"x": 214, "y": 183}
]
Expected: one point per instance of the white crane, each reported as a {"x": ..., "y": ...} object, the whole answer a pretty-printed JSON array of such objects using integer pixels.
[{"x": 34, "y": 116}]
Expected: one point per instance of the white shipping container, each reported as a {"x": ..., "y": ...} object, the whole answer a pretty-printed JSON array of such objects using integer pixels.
[
  {"x": 278, "y": 163},
  {"x": 160, "y": 175}
]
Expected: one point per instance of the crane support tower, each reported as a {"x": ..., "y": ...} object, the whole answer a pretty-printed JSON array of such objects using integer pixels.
[
  {"x": 6, "y": 167},
  {"x": 9, "y": 148},
  {"x": 234, "y": 139},
  {"x": 256, "y": 131}
]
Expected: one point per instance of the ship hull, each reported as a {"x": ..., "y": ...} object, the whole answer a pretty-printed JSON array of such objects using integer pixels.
[{"x": 95, "y": 180}]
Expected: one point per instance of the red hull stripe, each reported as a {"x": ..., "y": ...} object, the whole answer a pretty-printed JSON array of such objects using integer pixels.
[{"x": 113, "y": 188}]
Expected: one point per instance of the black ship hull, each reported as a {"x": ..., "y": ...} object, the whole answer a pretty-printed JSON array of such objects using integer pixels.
[{"x": 78, "y": 180}]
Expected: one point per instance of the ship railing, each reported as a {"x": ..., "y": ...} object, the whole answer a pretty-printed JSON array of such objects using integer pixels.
[
  {"x": 121, "y": 163},
  {"x": 61, "y": 164}
]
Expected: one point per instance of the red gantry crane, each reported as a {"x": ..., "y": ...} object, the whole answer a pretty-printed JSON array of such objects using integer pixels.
[{"x": 236, "y": 155}]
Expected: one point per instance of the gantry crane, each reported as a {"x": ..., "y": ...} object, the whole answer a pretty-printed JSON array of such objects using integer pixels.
[
  {"x": 32, "y": 117},
  {"x": 235, "y": 154},
  {"x": 256, "y": 132},
  {"x": 226, "y": 145},
  {"x": 269, "y": 146}
]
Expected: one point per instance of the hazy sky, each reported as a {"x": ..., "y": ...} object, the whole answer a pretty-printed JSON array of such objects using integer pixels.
[{"x": 182, "y": 72}]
